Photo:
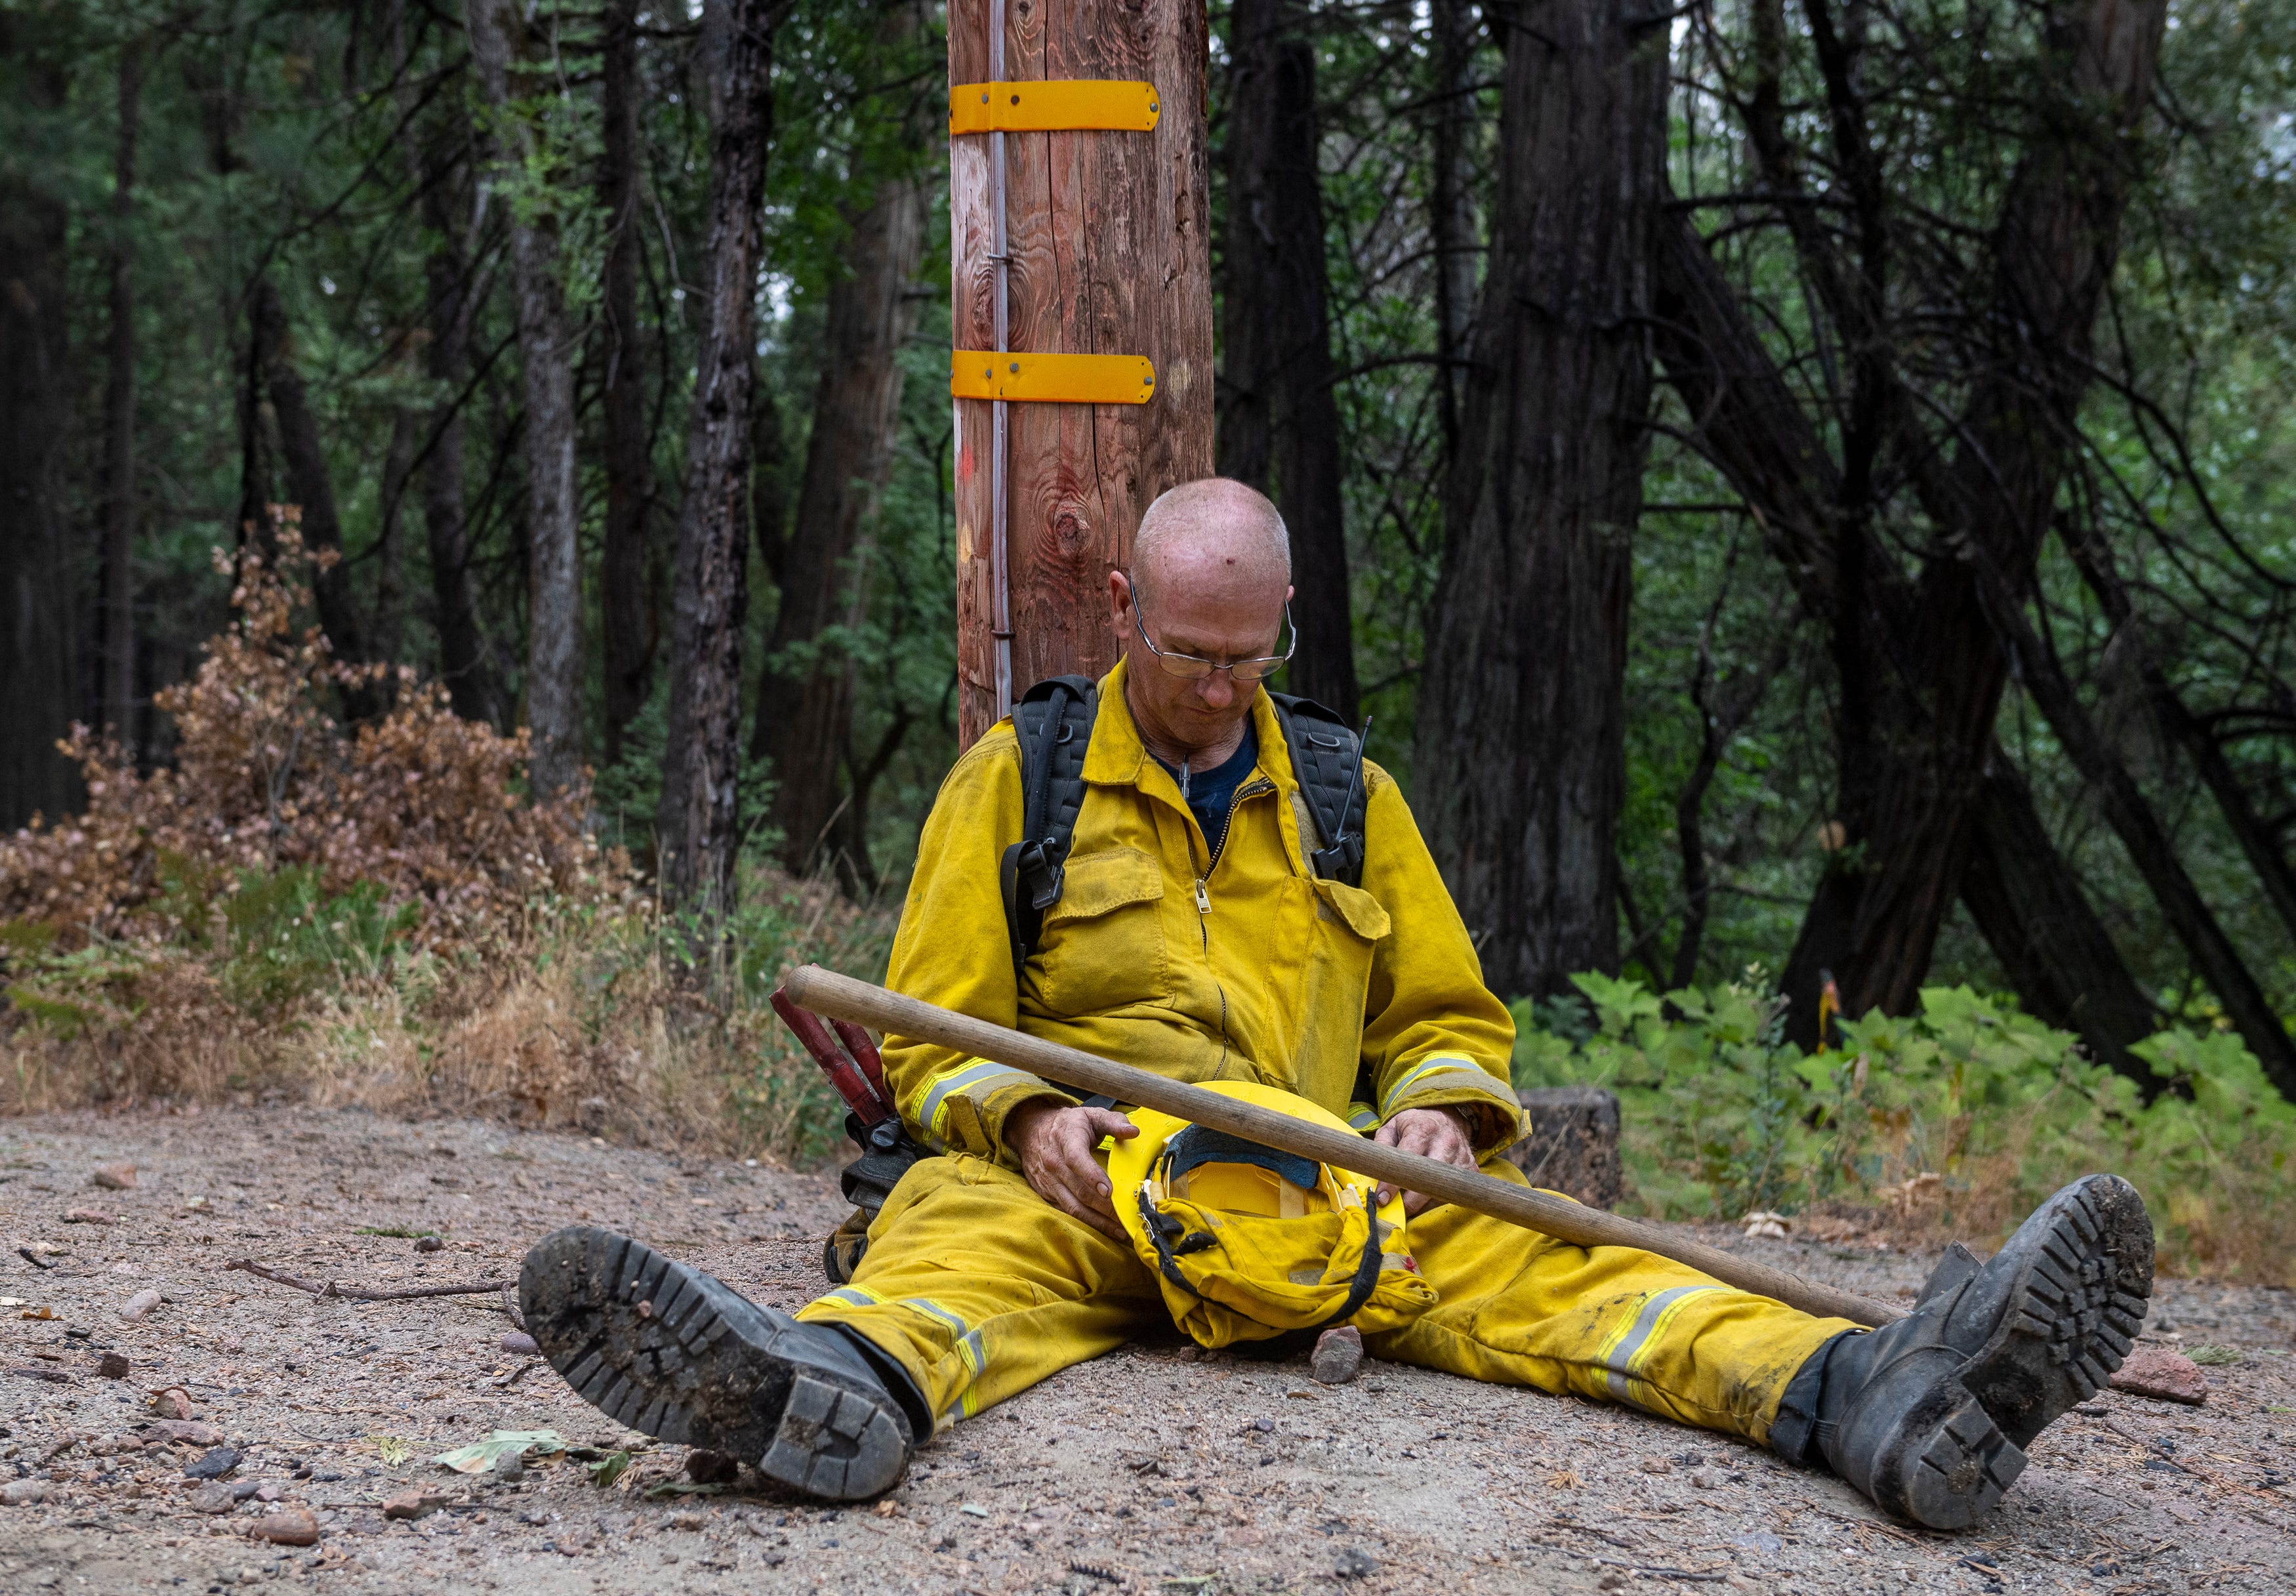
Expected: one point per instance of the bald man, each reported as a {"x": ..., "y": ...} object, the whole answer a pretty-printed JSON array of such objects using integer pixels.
[{"x": 1194, "y": 934}]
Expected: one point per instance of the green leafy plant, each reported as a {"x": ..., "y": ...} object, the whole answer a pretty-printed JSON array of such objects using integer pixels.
[{"x": 1963, "y": 1115}]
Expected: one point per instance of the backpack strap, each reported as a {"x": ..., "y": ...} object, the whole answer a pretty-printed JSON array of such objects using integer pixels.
[
  {"x": 1327, "y": 759},
  {"x": 1054, "y": 723}
]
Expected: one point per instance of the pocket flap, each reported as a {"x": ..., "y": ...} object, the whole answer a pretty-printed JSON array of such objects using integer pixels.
[
  {"x": 1095, "y": 883},
  {"x": 1359, "y": 909}
]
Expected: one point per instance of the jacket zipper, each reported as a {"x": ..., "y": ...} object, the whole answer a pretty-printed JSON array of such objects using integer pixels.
[{"x": 1205, "y": 902}]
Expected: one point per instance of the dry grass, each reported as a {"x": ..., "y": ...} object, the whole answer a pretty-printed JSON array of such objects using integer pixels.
[{"x": 578, "y": 1016}]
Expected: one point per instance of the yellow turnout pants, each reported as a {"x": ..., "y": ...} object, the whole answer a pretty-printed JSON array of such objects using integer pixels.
[{"x": 979, "y": 1288}]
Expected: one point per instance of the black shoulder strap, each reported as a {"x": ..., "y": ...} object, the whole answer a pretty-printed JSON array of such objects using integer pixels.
[
  {"x": 1327, "y": 759},
  {"x": 1054, "y": 722}
]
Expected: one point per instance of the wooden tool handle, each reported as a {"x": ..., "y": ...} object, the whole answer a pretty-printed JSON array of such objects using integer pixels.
[{"x": 842, "y": 997}]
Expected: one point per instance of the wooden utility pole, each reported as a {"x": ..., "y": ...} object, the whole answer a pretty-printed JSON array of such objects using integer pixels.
[{"x": 1106, "y": 252}]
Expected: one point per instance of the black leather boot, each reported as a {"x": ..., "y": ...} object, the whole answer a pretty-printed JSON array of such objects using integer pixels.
[
  {"x": 1931, "y": 1416},
  {"x": 674, "y": 1353}
]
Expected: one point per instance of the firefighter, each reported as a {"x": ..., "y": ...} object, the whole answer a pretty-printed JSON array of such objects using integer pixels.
[{"x": 1196, "y": 932}]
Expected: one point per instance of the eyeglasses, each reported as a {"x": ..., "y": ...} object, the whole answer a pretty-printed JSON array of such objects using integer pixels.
[{"x": 1190, "y": 667}]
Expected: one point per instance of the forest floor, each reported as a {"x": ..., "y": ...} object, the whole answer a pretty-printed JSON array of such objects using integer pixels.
[{"x": 1148, "y": 1470}]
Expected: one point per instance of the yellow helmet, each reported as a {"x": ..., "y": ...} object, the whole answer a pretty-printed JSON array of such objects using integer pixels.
[{"x": 1249, "y": 1242}]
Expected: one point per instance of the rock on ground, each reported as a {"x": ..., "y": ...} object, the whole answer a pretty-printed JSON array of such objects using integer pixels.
[{"x": 1179, "y": 1474}]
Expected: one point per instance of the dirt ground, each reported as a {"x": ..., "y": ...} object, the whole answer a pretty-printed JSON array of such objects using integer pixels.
[{"x": 1148, "y": 1470}]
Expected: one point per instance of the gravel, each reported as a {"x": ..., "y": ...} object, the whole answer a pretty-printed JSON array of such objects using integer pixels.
[{"x": 1154, "y": 1469}]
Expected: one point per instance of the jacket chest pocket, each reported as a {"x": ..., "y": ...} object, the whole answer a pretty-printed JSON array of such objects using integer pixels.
[{"x": 1102, "y": 947}]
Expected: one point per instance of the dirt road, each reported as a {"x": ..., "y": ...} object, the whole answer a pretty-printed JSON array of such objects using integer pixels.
[{"x": 1152, "y": 1471}]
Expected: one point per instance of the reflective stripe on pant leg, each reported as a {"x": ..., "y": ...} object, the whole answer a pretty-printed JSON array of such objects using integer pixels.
[
  {"x": 979, "y": 1287},
  {"x": 852, "y": 1297},
  {"x": 1608, "y": 1322},
  {"x": 968, "y": 1345},
  {"x": 1629, "y": 1344}
]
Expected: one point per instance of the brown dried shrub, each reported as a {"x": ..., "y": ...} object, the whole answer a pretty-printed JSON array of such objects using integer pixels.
[
  {"x": 422, "y": 804},
  {"x": 301, "y": 911}
]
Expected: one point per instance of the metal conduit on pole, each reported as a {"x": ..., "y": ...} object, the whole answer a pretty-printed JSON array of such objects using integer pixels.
[
  {"x": 1000, "y": 491},
  {"x": 1081, "y": 367}
]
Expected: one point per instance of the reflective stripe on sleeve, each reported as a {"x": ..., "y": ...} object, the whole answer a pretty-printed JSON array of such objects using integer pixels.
[
  {"x": 970, "y": 1078},
  {"x": 1439, "y": 1064}
]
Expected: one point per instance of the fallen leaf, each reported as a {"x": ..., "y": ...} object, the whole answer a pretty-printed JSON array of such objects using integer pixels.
[
  {"x": 480, "y": 1456},
  {"x": 608, "y": 1468},
  {"x": 42, "y": 1312},
  {"x": 680, "y": 1487}
]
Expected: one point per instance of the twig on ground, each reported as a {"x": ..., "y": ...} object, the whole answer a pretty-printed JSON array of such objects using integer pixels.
[
  {"x": 510, "y": 1306},
  {"x": 1589, "y": 1529},
  {"x": 367, "y": 1293},
  {"x": 1693, "y": 1574}
]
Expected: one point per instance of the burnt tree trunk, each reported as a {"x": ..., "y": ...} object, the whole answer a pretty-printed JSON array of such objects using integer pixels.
[
  {"x": 387, "y": 630},
  {"x": 119, "y": 418},
  {"x": 1916, "y": 723},
  {"x": 805, "y": 698},
  {"x": 1520, "y": 744},
  {"x": 769, "y": 507},
  {"x": 506, "y": 51},
  {"x": 37, "y": 604},
  {"x": 2259, "y": 843},
  {"x": 805, "y": 702},
  {"x": 1752, "y": 427},
  {"x": 1279, "y": 424},
  {"x": 2039, "y": 924},
  {"x": 698, "y": 825},
  {"x": 437, "y": 163},
  {"x": 1451, "y": 204},
  {"x": 1110, "y": 255},
  {"x": 626, "y": 614},
  {"x": 2141, "y": 831},
  {"x": 311, "y": 486}
]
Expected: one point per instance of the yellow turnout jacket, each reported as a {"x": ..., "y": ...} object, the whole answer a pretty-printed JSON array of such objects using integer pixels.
[{"x": 1245, "y": 966}]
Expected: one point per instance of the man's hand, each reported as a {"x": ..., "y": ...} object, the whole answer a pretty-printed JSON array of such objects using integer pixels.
[
  {"x": 1054, "y": 1145},
  {"x": 1435, "y": 1134}
]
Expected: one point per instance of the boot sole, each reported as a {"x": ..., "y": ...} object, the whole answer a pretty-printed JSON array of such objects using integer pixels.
[
  {"x": 643, "y": 1340},
  {"x": 2072, "y": 1318},
  {"x": 2081, "y": 1298},
  {"x": 1952, "y": 1465}
]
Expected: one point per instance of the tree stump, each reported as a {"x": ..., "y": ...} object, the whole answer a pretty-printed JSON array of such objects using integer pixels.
[{"x": 1573, "y": 1145}]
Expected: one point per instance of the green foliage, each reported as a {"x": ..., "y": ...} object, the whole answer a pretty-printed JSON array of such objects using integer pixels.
[
  {"x": 84, "y": 991},
  {"x": 1984, "y": 1105},
  {"x": 288, "y": 937}
]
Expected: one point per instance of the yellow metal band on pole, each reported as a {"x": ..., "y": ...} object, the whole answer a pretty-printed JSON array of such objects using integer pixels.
[
  {"x": 1052, "y": 107},
  {"x": 1051, "y": 379}
]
